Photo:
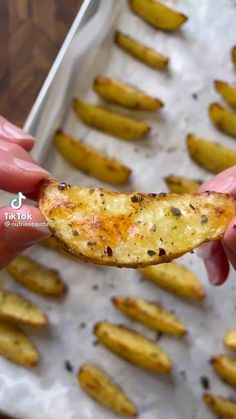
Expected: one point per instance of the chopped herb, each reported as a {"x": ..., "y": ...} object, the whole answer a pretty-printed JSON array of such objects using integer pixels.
[
  {"x": 75, "y": 233},
  {"x": 68, "y": 366},
  {"x": 151, "y": 253},
  {"x": 205, "y": 382},
  {"x": 136, "y": 198},
  {"x": 153, "y": 195},
  {"x": 204, "y": 219},
  {"x": 90, "y": 244},
  {"x": 101, "y": 194},
  {"x": 162, "y": 194},
  {"x": 153, "y": 228},
  {"x": 176, "y": 212},
  {"x": 63, "y": 186},
  {"x": 108, "y": 251},
  {"x": 191, "y": 206},
  {"x": 162, "y": 252}
]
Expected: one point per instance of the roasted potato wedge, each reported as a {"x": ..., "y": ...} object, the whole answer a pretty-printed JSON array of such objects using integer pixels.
[
  {"x": 123, "y": 94},
  {"x": 213, "y": 157},
  {"x": 91, "y": 161},
  {"x": 223, "y": 119},
  {"x": 227, "y": 92},
  {"x": 176, "y": 279},
  {"x": 141, "y": 52},
  {"x": 182, "y": 184},
  {"x": 16, "y": 346},
  {"x": 150, "y": 314},
  {"x": 233, "y": 55},
  {"x": 111, "y": 123},
  {"x": 105, "y": 391},
  {"x": 132, "y": 229},
  {"x": 133, "y": 347},
  {"x": 225, "y": 368},
  {"x": 36, "y": 277},
  {"x": 15, "y": 308},
  {"x": 230, "y": 339},
  {"x": 222, "y": 407},
  {"x": 158, "y": 14}
]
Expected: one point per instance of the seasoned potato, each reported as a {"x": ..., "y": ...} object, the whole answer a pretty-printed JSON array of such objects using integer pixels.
[
  {"x": 36, "y": 277},
  {"x": 111, "y": 123},
  {"x": 223, "y": 408},
  {"x": 227, "y": 91},
  {"x": 213, "y": 157},
  {"x": 224, "y": 119},
  {"x": 105, "y": 391},
  {"x": 16, "y": 308},
  {"x": 225, "y": 368},
  {"x": 132, "y": 229},
  {"x": 230, "y": 339},
  {"x": 123, "y": 94},
  {"x": 141, "y": 52},
  {"x": 133, "y": 347},
  {"x": 158, "y": 14},
  {"x": 182, "y": 184},
  {"x": 15, "y": 346},
  {"x": 233, "y": 55},
  {"x": 150, "y": 314},
  {"x": 91, "y": 161},
  {"x": 176, "y": 279}
]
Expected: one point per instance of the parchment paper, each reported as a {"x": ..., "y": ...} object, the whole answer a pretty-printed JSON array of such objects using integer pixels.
[{"x": 199, "y": 53}]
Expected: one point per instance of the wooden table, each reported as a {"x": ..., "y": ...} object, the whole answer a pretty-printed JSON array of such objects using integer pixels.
[{"x": 31, "y": 33}]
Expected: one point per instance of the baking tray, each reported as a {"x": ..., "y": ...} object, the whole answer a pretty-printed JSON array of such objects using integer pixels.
[{"x": 199, "y": 53}]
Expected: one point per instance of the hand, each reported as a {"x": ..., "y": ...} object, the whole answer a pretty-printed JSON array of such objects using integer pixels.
[
  {"x": 18, "y": 173},
  {"x": 217, "y": 255}
]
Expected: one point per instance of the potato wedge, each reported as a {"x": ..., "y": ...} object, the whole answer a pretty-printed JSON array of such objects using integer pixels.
[
  {"x": 213, "y": 157},
  {"x": 227, "y": 92},
  {"x": 16, "y": 346},
  {"x": 111, "y": 123},
  {"x": 230, "y": 339},
  {"x": 225, "y": 368},
  {"x": 222, "y": 407},
  {"x": 15, "y": 308},
  {"x": 91, "y": 161},
  {"x": 158, "y": 14},
  {"x": 123, "y": 94},
  {"x": 233, "y": 55},
  {"x": 95, "y": 382},
  {"x": 36, "y": 277},
  {"x": 133, "y": 347},
  {"x": 176, "y": 279},
  {"x": 150, "y": 314},
  {"x": 132, "y": 229},
  {"x": 223, "y": 119},
  {"x": 141, "y": 52},
  {"x": 182, "y": 184}
]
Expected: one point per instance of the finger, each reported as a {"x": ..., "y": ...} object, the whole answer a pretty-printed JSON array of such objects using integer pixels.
[
  {"x": 224, "y": 182},
  {"x": 16, "y": 151},
  {"x": 215, "y": 261},
  {"x": 13, "y": 134},
  {"x": 15, "y": 239},
  {"x": 229, "y": 242}
]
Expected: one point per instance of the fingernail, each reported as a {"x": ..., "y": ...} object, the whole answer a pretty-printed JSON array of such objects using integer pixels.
[
  {"x": 29, "y": 167},
  {"x": 212, "y": 272},
  {"x": 7, "y": 129}
]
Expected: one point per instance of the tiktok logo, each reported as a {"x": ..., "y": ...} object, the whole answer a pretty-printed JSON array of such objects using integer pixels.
[{"x": 16, "y": 203}]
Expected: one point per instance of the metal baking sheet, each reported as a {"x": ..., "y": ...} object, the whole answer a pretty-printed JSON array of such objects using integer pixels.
[{"x": 199, "y": 53}]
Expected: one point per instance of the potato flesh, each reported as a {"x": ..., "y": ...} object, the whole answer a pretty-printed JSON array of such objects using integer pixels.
[
  {"x": 224, "y": 408},
  {"x": 225, "y": 368},
  {"x": 91, "y": 161},
  {"x": 176, "y": 279},
  {"x": 157, "y": 14},
  {"x": 133, "y": 347},
  {"x": 181, "y": 184},
  {"x": 224, "y": 119},
  {"x": 123, "y": 94},
  {"x": 230, "y": 339},
  {"x": 105, "y": 391},
  {"x": 132, "y": 229},
  {"x": 120, "y": 126},
  {"x": 141, "y": 52},
  {"x": 150, "y": 314},
  {"x": 227, "y": 92},
  {"x": 211, "y": 156}
]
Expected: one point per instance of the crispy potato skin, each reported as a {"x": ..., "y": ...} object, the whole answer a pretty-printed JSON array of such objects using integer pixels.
[
  {"x": 105, "y": 391},
  {"x": 91, "y": 161},
  {"x": 213, "y": 157},
  {"x": 15, "y": 308},
  {"x": 223, "y": 119},
  {"x": 111, "y": 123},
  {"x": 157, "y": 14},
  {"x": 36, "y": 277},
  {"x": 222, "y": 407},
  {"x": 133, "y": 347},
  {"x": 123, "y": 94},
  {"x": 141, "y": 51},
  {"x": 225, "y": 368},
  {"x": 230, "y": 339},
  {"x": 150, "y": 314},
  {"x": 181, "y": 184},
  {"x": 15, "y": 346},
  {"x": 176, "y": 279},
  {"x": 227, "y": 92},
  {"x": 233, "y": 55},
  {"x": 132, "y": 229}
]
